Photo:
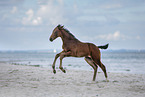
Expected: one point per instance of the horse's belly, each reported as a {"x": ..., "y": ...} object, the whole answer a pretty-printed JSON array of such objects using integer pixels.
[{"x": 81, "y": 53}]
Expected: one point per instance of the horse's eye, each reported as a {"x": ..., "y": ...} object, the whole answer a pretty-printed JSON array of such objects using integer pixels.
[{"x": 55, "y": 32}]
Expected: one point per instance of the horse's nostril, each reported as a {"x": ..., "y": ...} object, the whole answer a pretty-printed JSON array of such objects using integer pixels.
[{"x": 51, "y": 39}]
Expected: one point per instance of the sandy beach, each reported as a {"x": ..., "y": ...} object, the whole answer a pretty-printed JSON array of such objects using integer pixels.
[{"x": 28, "y": 81}]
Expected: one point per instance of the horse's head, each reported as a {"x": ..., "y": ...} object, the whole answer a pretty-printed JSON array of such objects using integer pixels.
[{"x": 56, "y": 33}]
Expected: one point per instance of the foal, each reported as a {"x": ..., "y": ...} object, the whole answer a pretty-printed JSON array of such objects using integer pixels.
[{"x": 72, "y": 47}]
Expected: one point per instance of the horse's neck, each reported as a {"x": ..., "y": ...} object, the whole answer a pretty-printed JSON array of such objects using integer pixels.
[{"x": 66, "y": 38}]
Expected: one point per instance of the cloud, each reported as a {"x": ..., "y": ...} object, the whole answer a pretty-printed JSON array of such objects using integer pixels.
[
  {"x": 60, "y": 2},
  {"x": 109, "y": 37},
  {"x": 37, "y": 21},
  {"x": 14, "y": 10},
  {"x": 138, "y": 37},
  {"x": 115, "y": 36},
  {"x": 7, "y": 3},
  {"x": 30, "y": 19},
  {"x": 75, "y": 7},
  {"x": 111, "y": 6},
  {"x": 52, "y": 12},
  {"x": 27, "y": 20}
]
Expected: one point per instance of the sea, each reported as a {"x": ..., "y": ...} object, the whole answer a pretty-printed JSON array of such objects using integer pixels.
[{"x": 124, "y": 61}]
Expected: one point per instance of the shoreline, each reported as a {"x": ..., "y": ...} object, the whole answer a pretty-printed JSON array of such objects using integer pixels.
[{"x": 28, "y": 81}]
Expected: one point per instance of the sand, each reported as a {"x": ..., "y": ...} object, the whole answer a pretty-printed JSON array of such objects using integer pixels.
[{"x": 27, "y": 81}]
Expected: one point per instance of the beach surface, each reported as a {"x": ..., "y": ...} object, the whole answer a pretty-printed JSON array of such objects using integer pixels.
[{"x": 28, "y": 81}]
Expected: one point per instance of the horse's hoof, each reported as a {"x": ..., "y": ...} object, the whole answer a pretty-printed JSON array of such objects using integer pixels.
[
  {"x": 64, "y": 71},
  {"x": 107, "y": 80},
  {"x": 54, "y": 71}
]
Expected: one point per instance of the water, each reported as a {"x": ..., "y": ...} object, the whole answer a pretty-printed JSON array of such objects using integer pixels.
[{"x": 128, "y": 62}]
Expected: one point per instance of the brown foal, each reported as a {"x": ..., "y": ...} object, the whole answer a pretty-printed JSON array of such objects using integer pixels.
[{"x": 72, "y": 47}]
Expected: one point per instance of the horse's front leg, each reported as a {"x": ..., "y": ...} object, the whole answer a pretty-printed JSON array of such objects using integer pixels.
[
  {"x": 53, "y": 66},
  {"x": 62, "y": 55}
]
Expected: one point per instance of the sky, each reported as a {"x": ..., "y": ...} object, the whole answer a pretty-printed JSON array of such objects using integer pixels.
[{"x": 28, "y": 24}]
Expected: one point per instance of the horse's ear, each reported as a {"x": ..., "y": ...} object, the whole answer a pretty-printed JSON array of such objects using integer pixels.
[
  {"x": 59, "y": 25},
  {"x": 62, "y": 26}
]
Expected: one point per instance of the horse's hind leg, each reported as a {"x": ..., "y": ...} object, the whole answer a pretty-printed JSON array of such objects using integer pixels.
[
  {"x": 102, "y": 66},
  {"x": 93, "y": 65},
  {"x": 104, "y": 70},
  {"x": 97, "y": 61}
]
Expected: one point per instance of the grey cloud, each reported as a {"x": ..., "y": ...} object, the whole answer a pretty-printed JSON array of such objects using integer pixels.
[{"x": 9, "y": 3}]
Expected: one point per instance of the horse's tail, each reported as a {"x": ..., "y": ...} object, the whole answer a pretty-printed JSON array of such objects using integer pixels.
[{"x": 103, "y": 46}]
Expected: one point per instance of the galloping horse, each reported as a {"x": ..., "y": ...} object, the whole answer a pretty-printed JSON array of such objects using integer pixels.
[{"x": 72, "y": 47}]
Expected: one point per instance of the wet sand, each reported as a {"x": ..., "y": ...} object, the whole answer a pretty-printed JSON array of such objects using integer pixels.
[{"x": 27, "y": 81}]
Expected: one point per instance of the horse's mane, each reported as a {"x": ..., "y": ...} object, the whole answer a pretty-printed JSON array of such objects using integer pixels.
[{"x": 66, "y": 30}]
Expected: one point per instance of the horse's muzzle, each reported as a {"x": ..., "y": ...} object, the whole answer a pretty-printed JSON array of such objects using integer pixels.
[{"x": 51, "y": 39}]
